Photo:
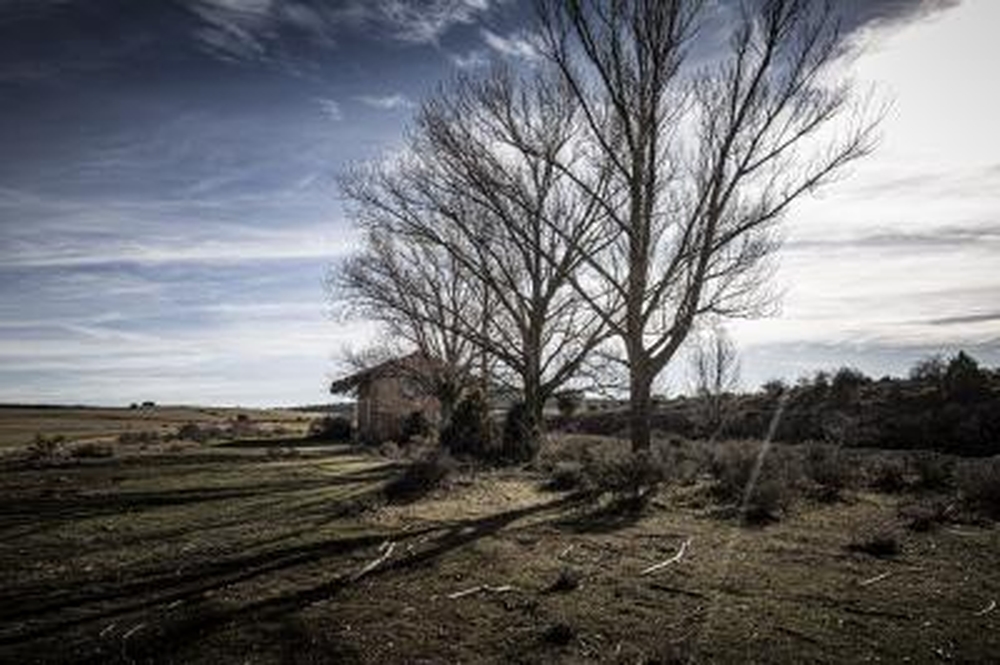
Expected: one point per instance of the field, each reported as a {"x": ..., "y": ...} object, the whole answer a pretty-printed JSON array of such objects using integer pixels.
[{"x": 285, "y": 550}]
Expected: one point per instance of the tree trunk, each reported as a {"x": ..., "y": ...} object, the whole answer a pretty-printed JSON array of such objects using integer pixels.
[
  {"x": 534, "y": 405},
  {"x": 640, "y": 410}
]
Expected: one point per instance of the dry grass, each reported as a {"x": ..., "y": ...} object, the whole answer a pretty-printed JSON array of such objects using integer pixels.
[{"x": 228, "y": 555}]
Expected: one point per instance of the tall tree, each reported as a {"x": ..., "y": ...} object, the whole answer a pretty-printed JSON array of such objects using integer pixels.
[
  {"x": 704, "y": 157},
  {"x": 478, "y": 183}
]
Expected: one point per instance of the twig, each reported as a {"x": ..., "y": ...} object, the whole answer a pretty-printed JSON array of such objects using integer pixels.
[
  {"x": 674, "y": 559},
  {"x": 566, "y": 551},
  {"x": 873, "y": 580},
  {"x": 108, "y": 629},
  {"x": 986, "y": 610},
  {"x": 481, "y": 587},
  {"x": 386, "y": 549},
  {"x": 133, "y": 630}
]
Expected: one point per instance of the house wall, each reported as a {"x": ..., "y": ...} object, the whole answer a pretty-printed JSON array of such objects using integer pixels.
[{"x": 384, "y": 404}]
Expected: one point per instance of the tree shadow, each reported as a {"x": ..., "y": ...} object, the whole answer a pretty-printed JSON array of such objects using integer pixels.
[{"x": 65, "y": 619}]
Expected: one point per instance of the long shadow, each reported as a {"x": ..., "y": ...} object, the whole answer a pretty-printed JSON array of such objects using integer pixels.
[
  {"x": 197, "y": 616},
  {"x": 38, "y": 511}
]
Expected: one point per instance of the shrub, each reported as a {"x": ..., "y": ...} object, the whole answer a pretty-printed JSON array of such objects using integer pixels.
[
  {"x": 192, "y": 432},
  {"x": 880, "y": 540},
  {"x": 846, "y": 384},
  {"x": 331, "y": 428},
  {"x": 979, "y": 486},
  {"x": 933, "y": 471},
  {"x": 415, "y": 425},
  {"x": 566, "y": 476},
  {"x": 521, "y": 436},
  {"x": 888, "y": 474},
  {"x": 925, "y": 515},
  {"x": 144, "y": 437},
  {"x": 764, "y": 497},
  {"x": 632, "y": 477},
  {"x": 46, "y": 448},
  {"x": 93, "y": 450},
  {"x": 827, "y": 467},
  {"x": 468, "y": 434},
  {"x": 420, "y": 477},
  {"x": 964, "y": 381}
]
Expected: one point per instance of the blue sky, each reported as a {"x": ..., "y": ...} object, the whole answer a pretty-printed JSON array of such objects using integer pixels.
[{"x": 168, "y": 210}]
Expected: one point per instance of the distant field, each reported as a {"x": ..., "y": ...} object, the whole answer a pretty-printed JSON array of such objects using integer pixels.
[{"x": 20, "y": 425}]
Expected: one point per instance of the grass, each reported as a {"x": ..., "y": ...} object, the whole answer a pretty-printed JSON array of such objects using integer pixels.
[
  {"x": 19, "y": 426},
  {"x": 220, "y": 554}
]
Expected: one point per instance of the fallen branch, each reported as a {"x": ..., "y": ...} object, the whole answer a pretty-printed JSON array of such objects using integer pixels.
[
  {"x": 986, "y": 610},
  {"x": 674, "y": 559},
  {"x": 873, "y": 580},
  {"x": 481, "y": 587},
  {"x": 132, "y": 631},
  {"x": 386, "y": 549}
]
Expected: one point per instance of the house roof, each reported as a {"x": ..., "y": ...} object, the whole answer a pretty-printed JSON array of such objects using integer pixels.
[{"x": 392, "y": 367}]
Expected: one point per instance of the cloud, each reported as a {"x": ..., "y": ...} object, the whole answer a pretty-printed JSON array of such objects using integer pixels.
[
  {"x": 985, "y": 317},
  {"x": 521, "y": 44},
  {"x": 254, "y": 29},
  {"x": 331, "y": 109},
  {"x": 392, "y": 102},
  {"x": 471, "y": 60}
]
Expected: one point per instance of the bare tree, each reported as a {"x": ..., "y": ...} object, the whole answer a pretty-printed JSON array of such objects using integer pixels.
[
  {"x": 478, "y": 183},
  {"x": 415, "y": 290},
  {"x": 703, "y": 159},
  {"x": 715, "y": 373}
]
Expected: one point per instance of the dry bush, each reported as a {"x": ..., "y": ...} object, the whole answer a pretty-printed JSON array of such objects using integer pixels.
[
  {"x": 144, "y": 437},
  {"x": 933, "y": 470},
  {"x": 761, "y": 498},
  {"x": 93, "y": 450},
  {"x": 331, "y": 428},
  {"x": 47, "y": 448},
  {"x": 926, "y": 514},
  {"x": 878, "y": 540},
  {"x": 607, "y": 466},
  {"x": 421, "y": 476},
  {"x": 887, "y": 474},
  {"x": 828, "y": 469},
  {"x": 979, "y": 486}
]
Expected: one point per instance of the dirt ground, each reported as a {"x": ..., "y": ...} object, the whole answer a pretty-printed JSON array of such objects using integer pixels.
[{"x": 228, "y": 554}]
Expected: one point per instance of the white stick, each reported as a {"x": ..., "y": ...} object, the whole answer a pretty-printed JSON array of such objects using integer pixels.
[
  {"x": 674, "y": 559},
  {"x": 386, "y": 549},
  {"x": 135, "y": 629},
  {"x": 986, "y": 610},
  {"x": 873, "y": 580},
  {"x": 481, "y": 587},
  {"x": 466, "y": 592}
]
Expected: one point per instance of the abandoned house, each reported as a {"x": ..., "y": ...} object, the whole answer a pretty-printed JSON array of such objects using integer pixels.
[{"x": 387, "y": 394}]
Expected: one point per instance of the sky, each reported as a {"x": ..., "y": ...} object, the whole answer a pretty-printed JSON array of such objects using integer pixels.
[{"x": 168, "y": 208}]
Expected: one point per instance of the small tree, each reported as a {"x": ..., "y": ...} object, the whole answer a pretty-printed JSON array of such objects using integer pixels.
[
  {"x": 715, "y": 371},
  {"x": 469, "y": 433},
  {"x": 964, "y": 381}
]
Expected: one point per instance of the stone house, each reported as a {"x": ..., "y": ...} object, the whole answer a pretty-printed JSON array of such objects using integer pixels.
[{"x": 387, "y": 394}]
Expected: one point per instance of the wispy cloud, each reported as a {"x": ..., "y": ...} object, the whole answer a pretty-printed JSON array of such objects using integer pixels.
[
  {"x": 471, "y": 60},
  {"x": 521, "y": 44},
  {"x": 392, "y": 102},
  {"x": 331, "y": 109},
  {"x": 253, "y": 29}
]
